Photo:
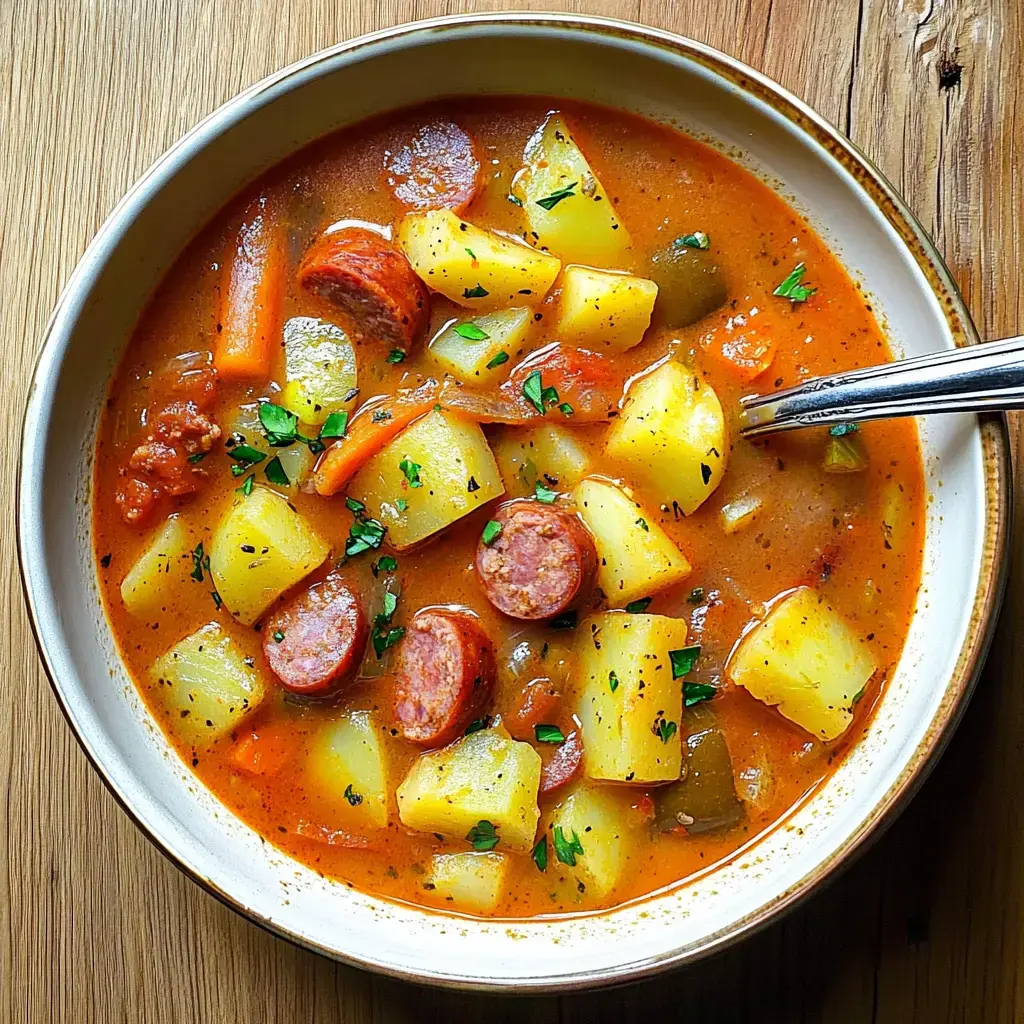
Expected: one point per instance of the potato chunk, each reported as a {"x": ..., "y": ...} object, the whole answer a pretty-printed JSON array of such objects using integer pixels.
[
  {"x": 476, "y": 351},
  {"x": 546, "y": 453},
  {"x": 472, "y": 266},
  {"x": 631, "y": 706},
  {"x": 805, "y": 659},
  {"x": 448, "y": 452},
  {"x": 469, "y": 881},
  {"x": 486, "y": 776},
  {"x": 158, "y": 570},
  {"x": 348, "y": 766},
  {"x": 635, "y": 555},
  {"x": 320, "y": 369},
  {"x": 261, "y": 548},
  {"x": 597, "y": 817},
  {"x": 205, "y": 685},
  {"x": 564, "y": 202},
  {"x": 607, "y": 312},
  {"x": 672, "y": 434}
]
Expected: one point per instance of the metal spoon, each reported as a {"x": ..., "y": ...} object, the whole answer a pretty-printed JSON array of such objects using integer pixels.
[{"x": 978, "y": 378}]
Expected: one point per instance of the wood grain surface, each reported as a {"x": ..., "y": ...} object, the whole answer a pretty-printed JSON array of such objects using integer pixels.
[{"x": 96, "y": 926}]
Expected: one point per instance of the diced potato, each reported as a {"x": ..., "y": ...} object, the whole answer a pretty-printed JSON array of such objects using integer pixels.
[
  {"x": 635, "y": 555},
  {"x": 470, "y": 881},
  {"x": 599, "y": 816},
  {"x": 739, "y": 514},
  {"x": 348, "y": 766},
  {"x": 582, "y": 227},
  {"x": 528, "y": 454},
  {"x": 472, "y": 359},
  {"x": 158, "y": 569},
  {"x": 607, "y": 312},
  {"x": 205, "y": 685},
  {"x": 672, "y": 434},
  {"x": 297, "y": 460},
  {"x": 450, "y": 452},
  {"x": 472, "y": 266},
  {"x": 320, "y": 369},
  {"x": 485, "y": 776},
  {"x": 631, "y": 732},
  {"x": 261, "y": 548},
  {"x": 805, "y": 659}
]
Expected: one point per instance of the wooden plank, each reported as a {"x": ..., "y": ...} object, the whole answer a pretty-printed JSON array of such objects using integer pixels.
[{"x": 95, "y": 925}]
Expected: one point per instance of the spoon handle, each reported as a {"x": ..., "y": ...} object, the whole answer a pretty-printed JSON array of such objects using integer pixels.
[{"x": 972, "y": 379}]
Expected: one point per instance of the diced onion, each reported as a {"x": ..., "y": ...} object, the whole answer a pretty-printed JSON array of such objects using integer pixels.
[{"x": 740, "y": 513}]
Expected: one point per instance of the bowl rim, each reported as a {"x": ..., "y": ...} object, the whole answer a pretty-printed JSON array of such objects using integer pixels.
[{"x": 993, "y": 434}]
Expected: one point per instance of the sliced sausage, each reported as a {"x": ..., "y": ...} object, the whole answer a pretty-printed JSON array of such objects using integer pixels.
[
  {"x": 535, "y": 704},
  {"x": 436, "y": 169},
  {"x": 564, "y": 764},
  {"x": 542, "y": 561},
  {"x": 315, "y": 642},
  {"x": 444, "y": 676},
  {"x": 371, "y": 281}
]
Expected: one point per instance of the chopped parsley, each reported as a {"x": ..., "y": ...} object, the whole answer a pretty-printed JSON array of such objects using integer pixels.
[
  {"x": 198, "y": 561},
  {"x": 412, "y": 471},
  {"x": 477, "y": 724},
  {"x": 501, "y": 357},
  {"x": 246, "y": 488},
  {"x": 684, "y": 660},
  {"x": 217, "y": 600},
  {"x": 639, "y": 605},
  {"x": 697, "y": 693},
  {"x": 275, "y": 473},
  {"x": 791, "y": 288},
  {"x": 354, "y": 505},
  {"x": 537, "y": 395},
  {"x": 471, "y": 332},
  {"x": 364, "y": 534},
  {"x": 696, "y": 595},
  {"x": 540, "y": 854},
  {"x": 545, "y": 494},
  {"x": 352, "y": 797},
  {"x": 566, "y": 409},
  {"x": 279, "y": 424},
  {"x": 334, "y": 426},
  {"x": 551, "y": 201},
  {"x": 383, "y": 564},
  {"x": 278, "y": 636},
  {"x": 492, "y": 531},
  {"x": 477, "y": 292},
  {"x": 401, "y": 504},
  {"x": 472, "y": 255},
  {"x": 842, "y": 429},
  {"x": 548, "y": 733},
  {"x": 566, "y": 850},
  {"x": 245, "y": 456},
  {"x": 384, "y": 635},
  {"x": 396, "y": 355},
  {"x": 666, "y": 729},
  {"x": 613, "y": 681},
  {"x": 483, "y": 835},
  {"x": 694, "y": 240},
  {"x": 197, "y": 456},
  {"x": 514, "y": 200},
  {"x": 642, "y": 523}
]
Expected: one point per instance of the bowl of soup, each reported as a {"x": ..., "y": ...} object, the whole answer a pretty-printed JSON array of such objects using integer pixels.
[{"x": 388, "y": 534}]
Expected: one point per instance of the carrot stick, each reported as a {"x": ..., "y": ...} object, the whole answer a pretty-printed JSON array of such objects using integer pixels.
[{"x": 251, "y": 300}]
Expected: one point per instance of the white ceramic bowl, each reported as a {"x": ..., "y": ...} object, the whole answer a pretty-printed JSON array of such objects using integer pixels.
[{"x": 637, "y": 69}]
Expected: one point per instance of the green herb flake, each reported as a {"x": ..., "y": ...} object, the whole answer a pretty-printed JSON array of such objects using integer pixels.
[
  {"x": 792, "y": 289},
  {"x": 246, "y": 488},
  {"x": 540, "y": 854},
  {"x": 842, "y": 429},
  {"x": 613, "y": 681},
  {"x": 477, "y": 724},
  {"x": 275, "y": 473},
  {"x": 471, "y": 332},
  {"x": 684, "y": 660},
  {"x": 666, "y": 729},
  {"x": 197, "y": 457},
  {"x": 696, "y": 595},
  {"x": 483, "y": 835},
  {"x": 412, "y": 471},
  {"x": 514, "y": 200},
  {"x": 858, "y": 696},
  {"x": 697, "y": 693},
  {"x": 545, "y": 494},
  {"x": 278, "y": 636},
  {"x": 705, "y": 473},
  {"x": 197, "y": 563},
  {"x": 566, "y": 850},
  {"x": 477, "y": 292},
  {"x": 694, "y": 240},
  {"x": 639, "y": 605},
  {"x": 492, "y": 531},
  {"x": 472, "y": 255},
  {"x": 533, "y": 390},
  {"x": 401, "y": 504},
  {"x": 384, "y": 564},
  {"x": 245, "y": 455},
  {"x": 364, "y": 535},
  {"x": 334, "y": 426},
  {"x": 217, "y": 601},
  {"x": 351, "y": 796},
  {"x": 566, "y": 409},
  {"x": 384, "y": 635},
  {"x": 548, "y": 733},
  {"x": 549, "y": 396},
  {"x": 396, "y": 355},
  {"x": 355, "y": 505},
  {"x": 551, "y": 201},
  {"x": 501, "y": 357},
  {"x": 279, "y": 424},
  {"x": 642, "y": 523}
]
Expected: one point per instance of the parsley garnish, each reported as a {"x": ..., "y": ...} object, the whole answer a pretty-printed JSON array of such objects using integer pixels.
[
  {"x": 384, "y": 635},
  {"x": 792, "y": 289},
  {"x": 354, "y": 505},
  {"x": 540, "y": 854},
  {"x": 478, "y": 292},
  {"x": 545, "y": 494},
  {"x": 694, "y": 240},
  {"x": 353, "y": 798},
  {"x": 613, "y": 681},
  {"x": 842, "y": 429},
  {"x": 279, "y": 423},
  {"x": 363, "y": 535},
  {"x": 514, "y": 200},
  {"x": 275, "y": 473},
  {"x": 566, "y": 409},
  {"x": 401, "y": 504},
  {"x": 477, "y": 724},
  {"x": 539, "y": 396},
  {"x": 666, "y": 729},
  {"x": 642, "y": 523},
  {"x": 639, "y": 605},
  {"x": 246, "y": 488},
  {"x": 684, "y": 660},
  {"x": 566, "y": 850},
  {"x": 696, "y": 595},
  {"x": 334, "y": 426},
  {"x": 472, "y": 255},
  {"x": 492, "y": 531},
  {"x": 245, "y": 455},
  {"x": 470, "y": 332},
  {"x": 217, "y": 601},
  {"x": 198, "y": 562},
  {"x": 197, "y": 456},
  {"x": 697, "y": 693},
  {"x": 278, "y": 636},
  {"x": 383, "y": 564},
  {"x": 551, "y": 201},
  {"x": 483, "y": 835},
  {"x": 396, "y": 355},
  {"x": 548, "y": 734},
  {"x": 501, "y": 357},
  {"x": 412, "y": 471}
]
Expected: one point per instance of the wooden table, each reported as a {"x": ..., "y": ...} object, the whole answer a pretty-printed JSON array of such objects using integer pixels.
[{"x": 96, "y": 925}]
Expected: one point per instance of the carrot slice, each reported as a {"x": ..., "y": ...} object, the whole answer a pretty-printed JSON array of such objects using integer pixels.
[
  {"x": 250, "y": 315},
  {"x": 262, "y": 752}
]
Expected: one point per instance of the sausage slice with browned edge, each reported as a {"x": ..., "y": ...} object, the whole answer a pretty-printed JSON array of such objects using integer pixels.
[
  {"x": 541, "y": 563},
  {"x": 438, "y": 168},
  {"x": 315, "y": 642},
  {"x": 444, "y": 676},
  {"x": 370, "y": 280}
]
